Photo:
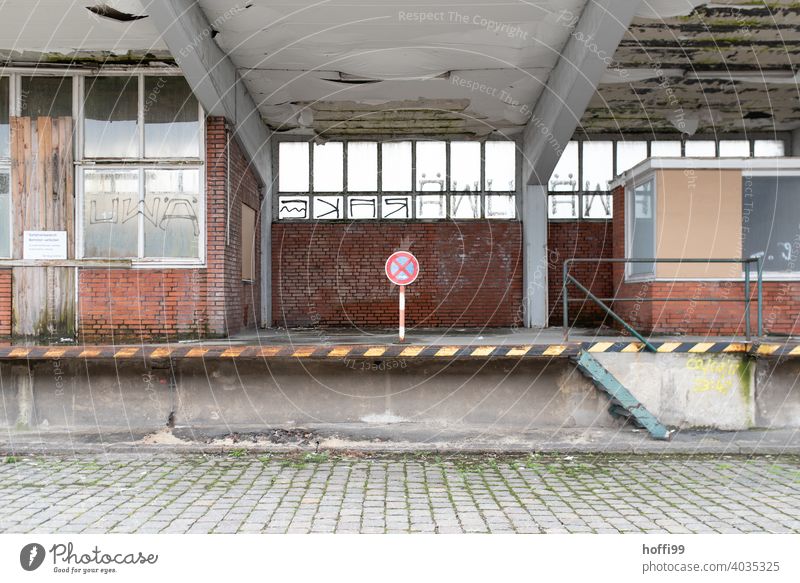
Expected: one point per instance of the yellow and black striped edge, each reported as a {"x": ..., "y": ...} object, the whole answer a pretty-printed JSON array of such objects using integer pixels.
[{"x": 412, "y": 351}]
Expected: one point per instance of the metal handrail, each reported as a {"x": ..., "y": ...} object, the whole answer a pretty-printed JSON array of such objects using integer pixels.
[{"x": 747, "y": 299}]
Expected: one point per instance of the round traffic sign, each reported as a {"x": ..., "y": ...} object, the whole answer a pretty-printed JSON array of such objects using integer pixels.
[{"x": 402, "y": 268}]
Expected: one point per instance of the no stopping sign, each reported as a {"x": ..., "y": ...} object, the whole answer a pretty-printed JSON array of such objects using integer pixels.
[{"x": 402, "y": 268}]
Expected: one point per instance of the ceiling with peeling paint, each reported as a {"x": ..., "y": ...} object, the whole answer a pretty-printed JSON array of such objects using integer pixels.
[
  {"x": 457, "y": 67},
  {"x": 729, "y": 66}
]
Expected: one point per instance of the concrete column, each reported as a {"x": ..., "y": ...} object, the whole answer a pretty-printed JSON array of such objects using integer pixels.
[
  {"x": 534, "y": 247},
  {"x": 266, "y": 258}
]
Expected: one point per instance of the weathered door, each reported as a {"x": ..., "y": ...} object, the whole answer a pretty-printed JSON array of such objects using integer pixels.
[{"x": 44, "y": 200}]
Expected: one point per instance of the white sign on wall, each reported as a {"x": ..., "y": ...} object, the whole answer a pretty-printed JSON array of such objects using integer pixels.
[{"x": 44, "y": 245}]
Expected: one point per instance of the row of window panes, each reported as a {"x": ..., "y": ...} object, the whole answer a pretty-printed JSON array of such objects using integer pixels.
[
  {"x": 591, "y": 205},
  {"x": 113, "y": 115},
  {"x": 143, "y": 212},
  {"x": 396, "y": 206},
  {"x": 597, "y": 162},
  {"x": 295, "y": 172}
]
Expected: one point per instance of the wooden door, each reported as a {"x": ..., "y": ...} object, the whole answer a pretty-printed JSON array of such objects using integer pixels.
[{"x": 43, "y": 200}]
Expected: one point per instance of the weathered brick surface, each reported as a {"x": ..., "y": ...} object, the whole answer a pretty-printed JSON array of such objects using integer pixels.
[
  {"x": 578, "y": 239},
  {"x": 161, "y": 304},
  {"x": 332, "y": 274}
]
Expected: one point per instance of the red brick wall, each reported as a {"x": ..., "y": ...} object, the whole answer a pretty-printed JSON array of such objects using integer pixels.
[
  {"x": 332, "y": 274},
  {"x": 5, "y": 302},
  {"x": 166, "y": 304},
  {"x": 694, "y": 317},
  {"x": 576, "y": 239}
]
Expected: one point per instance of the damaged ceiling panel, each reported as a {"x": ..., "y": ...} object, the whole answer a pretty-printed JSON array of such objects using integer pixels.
[
  {"x": 54, "y": 31},
  {"x": 728, "y": 66},
  {"x": 448, "y": 66}
]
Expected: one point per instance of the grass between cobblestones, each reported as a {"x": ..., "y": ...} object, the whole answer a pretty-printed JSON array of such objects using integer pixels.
[{"x": 418, "y": 492}]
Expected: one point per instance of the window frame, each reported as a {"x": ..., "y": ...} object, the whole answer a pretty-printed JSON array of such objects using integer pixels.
[
  {"x": 380, "y": 193},
  {"x": 141, "y": 260},
  {"x": 630, "y": 201},
  {"x": 141, "y": 164},
  {"x": 5, "y": 166}
]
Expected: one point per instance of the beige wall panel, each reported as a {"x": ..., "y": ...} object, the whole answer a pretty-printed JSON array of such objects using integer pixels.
[{"x": 699, "y": 214}]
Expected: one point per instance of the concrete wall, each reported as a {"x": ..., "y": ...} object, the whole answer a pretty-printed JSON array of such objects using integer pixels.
[{"x": 682, "y": 390}]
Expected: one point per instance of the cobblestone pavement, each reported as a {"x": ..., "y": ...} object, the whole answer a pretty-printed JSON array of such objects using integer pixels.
[{"x": 414, "y": 493}]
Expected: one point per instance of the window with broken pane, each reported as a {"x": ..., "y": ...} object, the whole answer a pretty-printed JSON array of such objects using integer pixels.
[
  {"x": 5, "y": 103},
  {"x": 171, "y": 119},
  {"x": 46, "y": 97},
  {"x": 5, "y": 213},
  {"x": 111, "y": 114}
]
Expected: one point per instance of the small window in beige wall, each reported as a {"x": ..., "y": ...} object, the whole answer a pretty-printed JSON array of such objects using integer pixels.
[{"x": 248, "y": 243}]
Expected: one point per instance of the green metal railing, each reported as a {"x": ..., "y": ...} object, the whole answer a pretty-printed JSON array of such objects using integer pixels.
[{"x": 746, "y": 300}]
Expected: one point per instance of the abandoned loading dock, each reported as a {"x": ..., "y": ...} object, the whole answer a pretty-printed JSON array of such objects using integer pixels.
[{"x": 216, "y": 177}]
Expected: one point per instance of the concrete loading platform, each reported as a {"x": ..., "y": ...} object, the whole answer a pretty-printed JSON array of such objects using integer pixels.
[{"x": 444, "y": 384}]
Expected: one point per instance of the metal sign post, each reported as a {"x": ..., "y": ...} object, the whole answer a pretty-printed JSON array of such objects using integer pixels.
[{"x": 402, "y": 269}]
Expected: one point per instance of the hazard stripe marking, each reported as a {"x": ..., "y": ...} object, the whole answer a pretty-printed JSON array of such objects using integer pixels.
[
  {"x": 519, "y": 351},
  {"x": 375, "y": 351},
  {"x": 126, "y": 352},
  {"x": 161, "y": 353},
  {"x": 483, "y": 351},
  {"x": 600, "y": 346},
  {"x": 447, "y": 351},
  {"x": 701, "y": 347},
  {"x": 339, "y": 351},
  {"x": 554, "y": 350},
  {"x": 197, "y": 352},
  {"x": 669, "y": 347},
  {"x": 412, "y": 350},
  {"x": 633, "y": 347},
  {"x": 304, "y": 351},
  {"x": 89, "y": 353},
  {"x": 767, "y": 349}
]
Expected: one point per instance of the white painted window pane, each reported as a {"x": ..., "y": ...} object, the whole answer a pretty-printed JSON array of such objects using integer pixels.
[
  {"x": 46, "y": 97},
  {"x": 362, "y": 166},
  {"x": 328, "y": 208},
  {"x": 642, "y": 225},
  {"x": 768, "y": 148},
  {"x": 396, "y": 166},
  {"x": 501, "y": 166},
  {"x": 172, "y": 213},
  {"x": 293, "y": 207},
  {"x": 111, "y": 107},
  {"x": 665, "y": 149},
  {"x": 701, "y": 149},
  {"x": 465, "y": 206},
  {"x": 171, "y": 120},
  {"x": 565, "y": 175},
  {"x": 597, "y": 206},
  {"x": 111, "y": 213},
  {"x": 362, "y": 206},
  {"x": 431, "y": 206},
  {"x": 396, "y": 207},
  {"x": 500, "y": 206},
  {"x": 465, "y": 166},
  {"x": 329, "y": 167},
  {"x": 562, "y": 206},
  {"x": 734, "y": 149},
  {"x": 598, "y": 165},
  {"x": 4, "y": 124},
  {"x": 431, "y": 166},
  {"x": 293, "y": 167},
  {"x": 629, "y": 154},
  {"x": 5, "y": 213}
]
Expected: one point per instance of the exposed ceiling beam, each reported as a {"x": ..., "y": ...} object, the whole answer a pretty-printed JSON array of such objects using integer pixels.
[
  {"x": 584, "y": 59},
  {"x": 212, "y": 75}
]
